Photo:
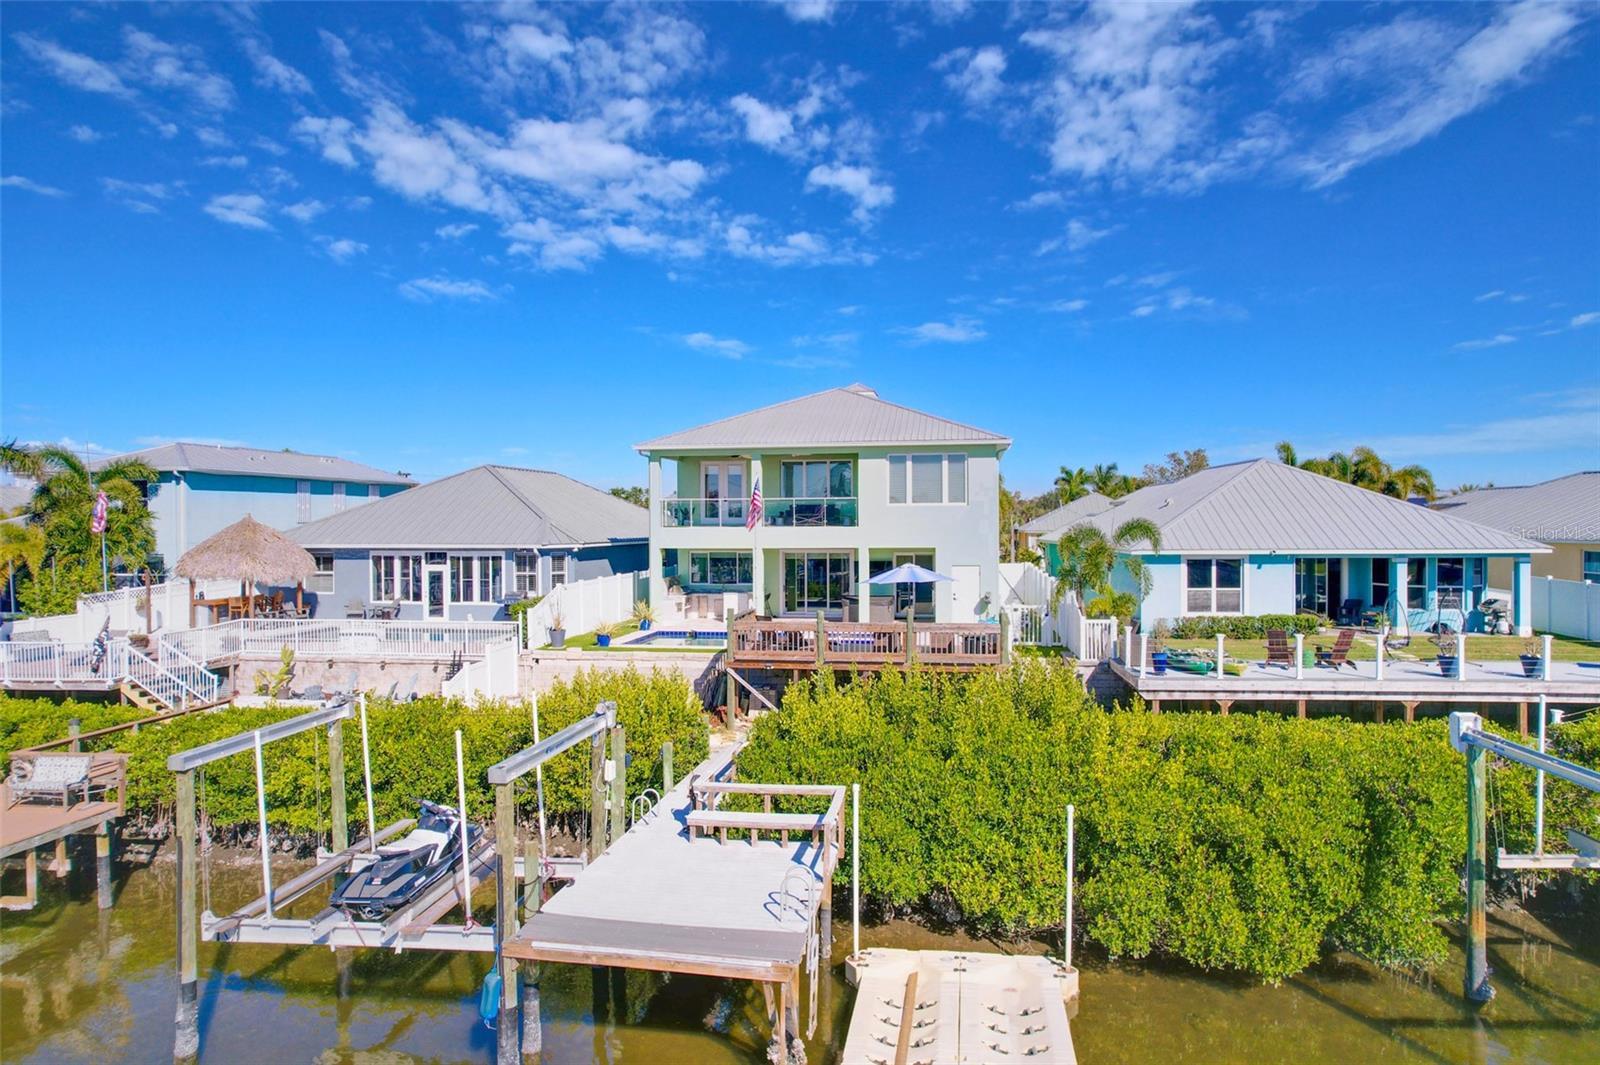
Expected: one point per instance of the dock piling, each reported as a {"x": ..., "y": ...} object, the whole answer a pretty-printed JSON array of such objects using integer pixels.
[
  {"x": 507, "y": 1030},
  {"x": 102, "y": 864},
  {"x": 619, "y": 783},
  {"x": 597, "y": 795},
  {"x": 666, "y": 767},
  {"x": 186, "y": 1041},
  {"x": 1477, "y": 988}
]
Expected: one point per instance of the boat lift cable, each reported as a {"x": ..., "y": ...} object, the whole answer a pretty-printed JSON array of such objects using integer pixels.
[
  {"x": 538, "y": 783},
  {"x": 205, "y": 842}
]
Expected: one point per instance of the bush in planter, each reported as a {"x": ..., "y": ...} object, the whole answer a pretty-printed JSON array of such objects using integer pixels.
[
  {"x": 644, "y": 615},
  {"x": 1532, "y": 658}
]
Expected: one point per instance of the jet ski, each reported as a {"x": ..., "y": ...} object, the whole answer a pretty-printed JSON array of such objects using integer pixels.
[{"x": 409, "y": 866}]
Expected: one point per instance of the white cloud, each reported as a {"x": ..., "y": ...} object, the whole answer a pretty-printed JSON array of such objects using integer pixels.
[
  {"x": 137, "y": 195},
  {"x": 84, "y": 134},
  {"x": 975, "y": 74},
  {"x": 427, "y": 289},
  {"x": 764, "y": 124},
  {"x": 331, "y": 135},
  {"x": 232, "y": 162},
  {"x": 158, "y": 63},
  {"x": 1487, "y": 342},
  {"x": 552, "y": 246},
  {"x": 343, "y": 249},
  {"x": 1487, "y": 296},
  {"x": 849, "y": 310},
  {"x": 959, "y": 330},
  {"x": 456, "y": 230},
  {"x": 74, "y": 68},
  {"x": 305, "y": 210},
  {"x": 272, "y": 72},
  {"x": 212, "y": 136},
  {"x": 239, "y": 209},
  {"x": 1079, "y": 235},
  {"x": 726, "y": 347},
  {"x": 17, "y": 181},
  {"x": 742, "y": 238},
  {"x": 1452, "y": 83},
  {"x": 1049, "y": 198},
  {"x": 837, "y": 341},
  {"x": 809, "y": 10},
  {"x": 1144, "y": 310},
  {"x": 1067, "y": 306},
  {"x": 857, "y": 183},
  {"x": 1586, "y": 318}
]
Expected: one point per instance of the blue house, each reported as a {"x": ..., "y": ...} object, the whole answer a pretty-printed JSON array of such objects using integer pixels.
[
  {"x": 203, "y": 488},
  {"x": 463, "y": 546},
  {"x": 1260, "y": 537}
]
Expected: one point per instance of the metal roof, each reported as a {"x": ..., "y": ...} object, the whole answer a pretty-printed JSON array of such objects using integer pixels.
[
  {"x": 839, "y": 417},
  {"x": 1067, "y": 515},
  {"x": 214, "y": 458},
  {"x": 1263, "y": 506},
  {"x": 1563, "y": 510},
  {"x": 486, "y": 506}
]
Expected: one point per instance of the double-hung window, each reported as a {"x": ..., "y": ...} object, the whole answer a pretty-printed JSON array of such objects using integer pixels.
[
  {"x": 525, "y": 572},
  {"x": 922, "y": 478},
  {"x": 373, "y": 492},
  {"x": 1591, "y": 566},
  {"x": 1416, "y": 583},
  {"x": 322, "y": 579},
  {"x": 397, "y": 578},
  {"x": 474, "y": 578},
  {"x": 558, "y": 570},
  {"x": 720, "y": 567},
  {"x": 1214, "y": 585}
]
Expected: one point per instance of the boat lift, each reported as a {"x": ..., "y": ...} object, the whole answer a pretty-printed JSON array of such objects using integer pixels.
[
  {"x": 417, "y": 926},
  {"x": 1467, "y": 736}
]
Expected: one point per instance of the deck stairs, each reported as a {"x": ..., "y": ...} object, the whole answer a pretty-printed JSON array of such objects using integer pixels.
[{"x": 170, "y": 681}]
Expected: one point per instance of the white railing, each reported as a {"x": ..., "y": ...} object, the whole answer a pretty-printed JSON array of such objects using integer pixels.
[
  {"x": 204, "y": 685},
  {"x": 583, "y": 606},
  {"x": 1098, "y": 636},
  {"x": 1566, "y": 608},
  {"x": 1028, "y": 593},
  {"x": 492, "y": 676},
  {"x": 339, "y": 638},
  {"x": 73, "y": 665},
  {"x": 148, "y": 674}
]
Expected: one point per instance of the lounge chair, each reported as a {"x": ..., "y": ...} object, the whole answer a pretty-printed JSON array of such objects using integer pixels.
[
  {"x": 1339, "y": 654},
  {"x": 55, "y": 776},
  {"x": 1279, "y": 651},
  {"x": 1349, "y": 612}
]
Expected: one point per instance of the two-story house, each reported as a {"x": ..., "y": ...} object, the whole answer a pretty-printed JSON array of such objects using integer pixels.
[
  {"x": 201, "y": 489},
  {"x": 850, "y": 485}
]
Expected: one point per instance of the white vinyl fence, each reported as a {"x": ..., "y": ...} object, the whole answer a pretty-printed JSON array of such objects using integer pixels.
[
  {"x": 1027, "y": 591},
  {"x": 494, "y": 676},
  {"x": 1566, "y": 608},
  {"x": 125, "y": 608},
  {"x": 583, "y": 606}
]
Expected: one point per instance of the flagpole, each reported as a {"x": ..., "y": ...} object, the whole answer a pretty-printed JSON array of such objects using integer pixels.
[{"x": 105, "y": 581}]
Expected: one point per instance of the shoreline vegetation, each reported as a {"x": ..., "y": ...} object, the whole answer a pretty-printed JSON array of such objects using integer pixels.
[{"x": 1248, "y": 844}]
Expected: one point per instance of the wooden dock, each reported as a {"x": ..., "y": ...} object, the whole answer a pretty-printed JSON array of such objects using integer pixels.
[
  {"x": 937, "y": 1007},
  {"x": 807, "y": 644},
  {"x": 28, "y": 825}
]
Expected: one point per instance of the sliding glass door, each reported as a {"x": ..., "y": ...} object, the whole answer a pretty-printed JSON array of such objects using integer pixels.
[{"x": 816, "y": 580}]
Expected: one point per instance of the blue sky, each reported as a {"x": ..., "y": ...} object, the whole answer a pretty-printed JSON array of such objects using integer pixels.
[{"x": 427, "y": 237}]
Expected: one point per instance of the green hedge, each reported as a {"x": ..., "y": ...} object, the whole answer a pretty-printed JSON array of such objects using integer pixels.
[
  {"x": 30, "y": 722},
  {"x": 1246, "y": 626},
  {"x": 1243, "y": 842},
  {"x": 413, "y": 750}
]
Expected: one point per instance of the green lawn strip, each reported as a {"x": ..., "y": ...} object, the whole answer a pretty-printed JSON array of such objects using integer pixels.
[{"x": 587, "y": 641}]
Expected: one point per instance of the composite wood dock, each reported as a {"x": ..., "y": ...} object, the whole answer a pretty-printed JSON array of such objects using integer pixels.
[{"x": 26, "y": 826}]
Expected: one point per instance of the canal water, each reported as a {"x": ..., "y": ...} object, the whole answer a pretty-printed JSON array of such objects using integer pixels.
[{"x": 81, "y": 985}]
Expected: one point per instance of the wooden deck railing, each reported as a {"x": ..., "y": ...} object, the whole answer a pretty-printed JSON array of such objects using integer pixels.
[{"x": 802, "y": 643}]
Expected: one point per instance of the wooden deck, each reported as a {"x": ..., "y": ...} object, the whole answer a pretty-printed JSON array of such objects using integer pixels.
[
  {"x": 38, "y": 821},
  {"x": 804, "y": 644},
  {"x": 659, "y": 898}
]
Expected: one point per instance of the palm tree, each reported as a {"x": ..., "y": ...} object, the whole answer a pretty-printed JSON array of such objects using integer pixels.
[
  {"x": 1286, "y": 454},
  {"x": 1088, "y": 556},
  {"x": 63, "y": 503},
  {"x": 1411, "y": 481},
  {"x": 1072, "y": 484},
  {"x": 21, "y": 548}
]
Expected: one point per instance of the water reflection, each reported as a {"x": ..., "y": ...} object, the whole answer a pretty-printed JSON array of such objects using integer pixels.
[{"x": 78, "y": 984}]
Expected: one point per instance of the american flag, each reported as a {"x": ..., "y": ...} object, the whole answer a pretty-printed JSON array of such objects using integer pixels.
[
  {"x": 97, "y": 521},
  {"x": 752, "y": 516}
]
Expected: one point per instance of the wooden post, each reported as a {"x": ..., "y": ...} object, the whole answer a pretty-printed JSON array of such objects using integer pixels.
[
  {"x": 1411, "y": 711},
  {"x": 781, "y": 1036},
  {"x": 619, "y": 783},
  {"x": 597, "y": 795},
  {"x": 1155, "y": 706},
  {"x": 1300, "y": 709},
  {"x": 1522, "y": 719},
  {"x": 102, "y": 863},
  {"x": 73, "y": 728},
  {"x": 731, "y": 704},
  {"x": 911, "y": 634},
  {"x": 822, "y": 641},
  {"x": 62, "y": 865},
  {"x": 186, "y": 1042},
  {"x": 340, "y": 828},
  {"x": 1005, "y": 638},
  {"x": 505, "y": 921},
  {"x": 30, "y": 873},
  {"x": 1378, "y": 712},
  {"x": 1477, "y": 981},
  {"x": 666, "y": 767}
]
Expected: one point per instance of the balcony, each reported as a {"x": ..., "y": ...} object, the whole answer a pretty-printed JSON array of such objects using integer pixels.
[{"x": 817, "y": 512}]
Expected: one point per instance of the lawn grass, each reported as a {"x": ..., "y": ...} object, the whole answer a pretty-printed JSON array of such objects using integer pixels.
[{"x": 587, "y": 641}]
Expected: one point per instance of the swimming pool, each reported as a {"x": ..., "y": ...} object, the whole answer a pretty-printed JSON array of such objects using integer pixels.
[{"x": 679, "y": 638}]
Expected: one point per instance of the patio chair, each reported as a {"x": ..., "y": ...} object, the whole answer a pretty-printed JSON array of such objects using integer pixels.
[
  {"x": 50, "y": 775},
  {"x": 1280, "y": 652},
  {"x": 355, "y": 608},
  {"x": 1339, "y": 654},
  {"x": 1349, "y": 612}
]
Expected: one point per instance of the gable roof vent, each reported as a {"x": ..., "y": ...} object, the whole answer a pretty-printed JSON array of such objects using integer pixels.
[{"x": 862, "y": 390}]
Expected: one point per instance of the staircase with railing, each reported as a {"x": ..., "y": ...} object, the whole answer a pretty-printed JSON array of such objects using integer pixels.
[{"x": 171, "y": 681}]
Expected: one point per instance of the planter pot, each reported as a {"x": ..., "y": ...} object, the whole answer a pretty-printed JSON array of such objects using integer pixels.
[
  {"x": 558, "y": 638},
  {"x": 644, "y": 626},
  {"x": 1449, "y": 665},
  {"x": 1532, "y": 666},
  {"x": 1158, "y": 662},
  {"x": 602, "y": 640}
]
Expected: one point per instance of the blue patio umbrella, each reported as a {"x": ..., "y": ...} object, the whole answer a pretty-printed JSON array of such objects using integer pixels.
[{"x": 910, "y": 573}]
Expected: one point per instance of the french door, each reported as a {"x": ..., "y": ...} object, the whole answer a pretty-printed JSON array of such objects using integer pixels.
[
  {"x": 817, "y": 580},
  {"x": 722, "y": 488}
]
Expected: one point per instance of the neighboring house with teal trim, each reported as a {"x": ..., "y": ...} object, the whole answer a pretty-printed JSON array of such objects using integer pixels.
[
  {"x": 1259, "y": 537},
  {"x": 1042, "y": 533},
  {"x": 203, "y": 488},
  {"x": 1563, "y": 512},
  {"x": 851, "y": 485},
  {"x": 462, "y": 547}
]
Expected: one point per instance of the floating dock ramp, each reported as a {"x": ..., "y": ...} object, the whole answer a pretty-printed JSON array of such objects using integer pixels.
[{"x": 935, "y": 1007}]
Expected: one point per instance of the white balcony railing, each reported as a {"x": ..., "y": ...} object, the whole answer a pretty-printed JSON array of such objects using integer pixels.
[
  {"x": 776, "y": 512},
  {"x": 333, "y": 638}
]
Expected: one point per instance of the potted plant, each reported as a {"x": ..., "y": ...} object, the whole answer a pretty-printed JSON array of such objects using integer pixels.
[
  {"x": 1449, "y": 664},
  {"x": 1532, "y": 658},
  {"x": 558, "y": 630},
  {"x": 643, "y": 615},
  {"x": 1158, "y": 647},
  {"x": 603, "y": 634}
]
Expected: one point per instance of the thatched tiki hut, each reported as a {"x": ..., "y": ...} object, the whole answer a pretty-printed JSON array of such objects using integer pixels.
[{"x": 254, "y": 554}]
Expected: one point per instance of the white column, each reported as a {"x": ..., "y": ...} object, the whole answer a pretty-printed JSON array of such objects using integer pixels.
[
  {"x": 1522, "y": 595},
  {"x": 1398, "y": 570},
  {"x": 1299, "y": 656},
  {"x": 863, "y": 589},
  {"x": 658, "y": 584},
  {"x": 758, "y": 571}
]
